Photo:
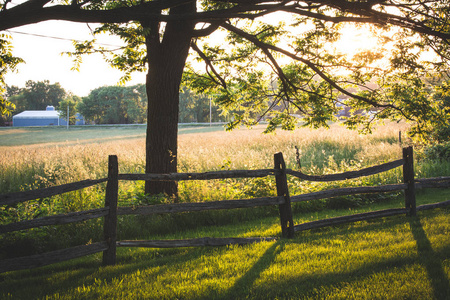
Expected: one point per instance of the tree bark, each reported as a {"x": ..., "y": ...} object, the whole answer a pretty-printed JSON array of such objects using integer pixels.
[{"x": 166, "y": 61}]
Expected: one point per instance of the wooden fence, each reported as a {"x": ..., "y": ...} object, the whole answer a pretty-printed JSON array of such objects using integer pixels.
[{"x": 283, "y": 200}]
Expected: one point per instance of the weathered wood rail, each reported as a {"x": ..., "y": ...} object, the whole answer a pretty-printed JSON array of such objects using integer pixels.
[{"x": 283, "y": 200}]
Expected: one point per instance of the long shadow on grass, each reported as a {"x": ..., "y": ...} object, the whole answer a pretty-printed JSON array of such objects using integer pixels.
[
  {"x": 85, "y": 272},
  {"x": 318, "y": 285},
  {"x": 243, "y": 285},
  {"x": 431, "y": 261}
]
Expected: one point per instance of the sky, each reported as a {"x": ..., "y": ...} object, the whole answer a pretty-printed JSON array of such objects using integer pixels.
[{"x": 44, "y": 60}]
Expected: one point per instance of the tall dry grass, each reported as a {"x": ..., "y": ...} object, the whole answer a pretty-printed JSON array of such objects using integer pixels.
[
  {"x": 252, "y": 149},
  {"x": 38, "y": 166},
  {"x": 320, "y": 151}
]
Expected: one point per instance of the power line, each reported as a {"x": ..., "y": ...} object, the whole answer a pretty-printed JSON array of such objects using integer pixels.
[{"x": 56, "y": 38}]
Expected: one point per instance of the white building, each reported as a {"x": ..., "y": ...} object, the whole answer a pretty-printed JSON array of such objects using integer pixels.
[{"x": 48, "y": 117}]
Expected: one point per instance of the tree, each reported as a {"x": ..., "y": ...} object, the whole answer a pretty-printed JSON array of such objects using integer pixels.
[
  {"x": 70, "y": 102},
  {"x": 36, "y": 95},
  {"x": 8, "y": 63},
  {"x": 196, "y": 108},
  {"x": 115, "y": 105},
  {"x": 437, "y": 127},
  {"x": 245, "y": 68}
]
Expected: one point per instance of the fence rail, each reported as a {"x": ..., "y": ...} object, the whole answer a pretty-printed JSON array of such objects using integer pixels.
[
  {"x": 437, "y": 182},
  {"x": 350, "y": 218},
  {"x": 283, "y": 200},
  {"x": 199, "y": 242},
  {"x": 200, "y": 176},
  {"x": 61, "y": 219},
  {"x": 348, "y": 191},
  {"x": 40, "y": 260},
  {"x": 350, "y": 174},
  {"x": 199, "y": 206},
  {"x": 14, "y": 198}
]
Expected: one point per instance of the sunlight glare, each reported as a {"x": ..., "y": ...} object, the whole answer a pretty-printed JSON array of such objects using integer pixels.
[{"x": 354, "y": 40}]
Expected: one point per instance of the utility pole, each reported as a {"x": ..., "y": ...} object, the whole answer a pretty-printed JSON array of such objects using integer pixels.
[{"x": 68, "y": 118}]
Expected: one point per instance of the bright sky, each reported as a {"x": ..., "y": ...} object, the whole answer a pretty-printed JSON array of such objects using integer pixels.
[{"x": 44, "y": 60}]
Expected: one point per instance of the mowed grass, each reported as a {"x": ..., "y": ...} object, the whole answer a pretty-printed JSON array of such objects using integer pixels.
[
  {"x": 52, "y": 135},
  {"x": 389, "y": 258}
]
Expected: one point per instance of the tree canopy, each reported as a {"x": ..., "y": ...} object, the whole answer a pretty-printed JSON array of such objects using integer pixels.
[
  {"x": 8, "y": 63},
  {"x": 67, "y": 109},
  {"x": 115, "y": 105},
  {"x": 36, "y": 95},
  {"x": 198, "y": 108},
  {"x": 268, "y": 59}
]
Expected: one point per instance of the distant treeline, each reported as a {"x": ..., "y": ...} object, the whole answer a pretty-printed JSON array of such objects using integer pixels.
[{"x": 105, "y": 105}]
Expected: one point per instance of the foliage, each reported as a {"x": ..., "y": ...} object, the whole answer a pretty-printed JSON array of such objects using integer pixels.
[
  {"x": 8, "y": 63},
  {"x": 36, "y": 95},
  {"x": 196, "y": 108},
  {"x": 439, "y": 151},
  {"x": 71, "y": 105},
  {"x": 131, "y": 59},
  {"x": 311, "y": 87},
  {"x": 115, "y": 105},
  {"x": 438, "y": 124}
]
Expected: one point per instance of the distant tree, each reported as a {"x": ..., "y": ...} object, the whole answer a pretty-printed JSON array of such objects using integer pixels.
[
  {"x": 195, "y": 107},
  {"x": 70, "y": 102},
  {"x": 6, "y": 116},
  {"x": 36, "y": 95},
  {"x": 135, "y": 98},
  {"x": 91, "y": 109},
  {"x": 12, "y": 91},
  {"x": 115, "y": 105}
]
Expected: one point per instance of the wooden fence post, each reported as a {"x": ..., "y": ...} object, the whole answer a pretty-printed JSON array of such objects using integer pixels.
[
  {"x": 408, "y": 178},
  {"x": 110, "y": 224},
  {"x": 287, "y": 224}
]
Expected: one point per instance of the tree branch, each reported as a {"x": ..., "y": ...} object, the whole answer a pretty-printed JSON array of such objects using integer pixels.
[
  {"x": 210, "y": 65},
  {"x": 208, "y": 30},
  {"x": 5, "y": 4},
  {"x": 311, "y": 65},
  {"x": 33, "y": 11}
]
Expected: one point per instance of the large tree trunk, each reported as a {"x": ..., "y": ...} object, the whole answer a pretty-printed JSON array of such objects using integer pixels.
[{"x": 166, "y": 61}]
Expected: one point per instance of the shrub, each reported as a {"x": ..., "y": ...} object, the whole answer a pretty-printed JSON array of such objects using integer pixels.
[{"x": 438, "y": 152}]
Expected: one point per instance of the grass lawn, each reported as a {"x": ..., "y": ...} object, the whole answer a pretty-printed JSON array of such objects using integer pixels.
[
  {"x": 389, "y": 258},
  {"x": 16, "y": 136}
]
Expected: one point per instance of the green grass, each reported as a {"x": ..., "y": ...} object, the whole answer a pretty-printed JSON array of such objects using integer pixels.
[
  {"x": 390, "y": 258},
  {"x": 16, "y": 136}
]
